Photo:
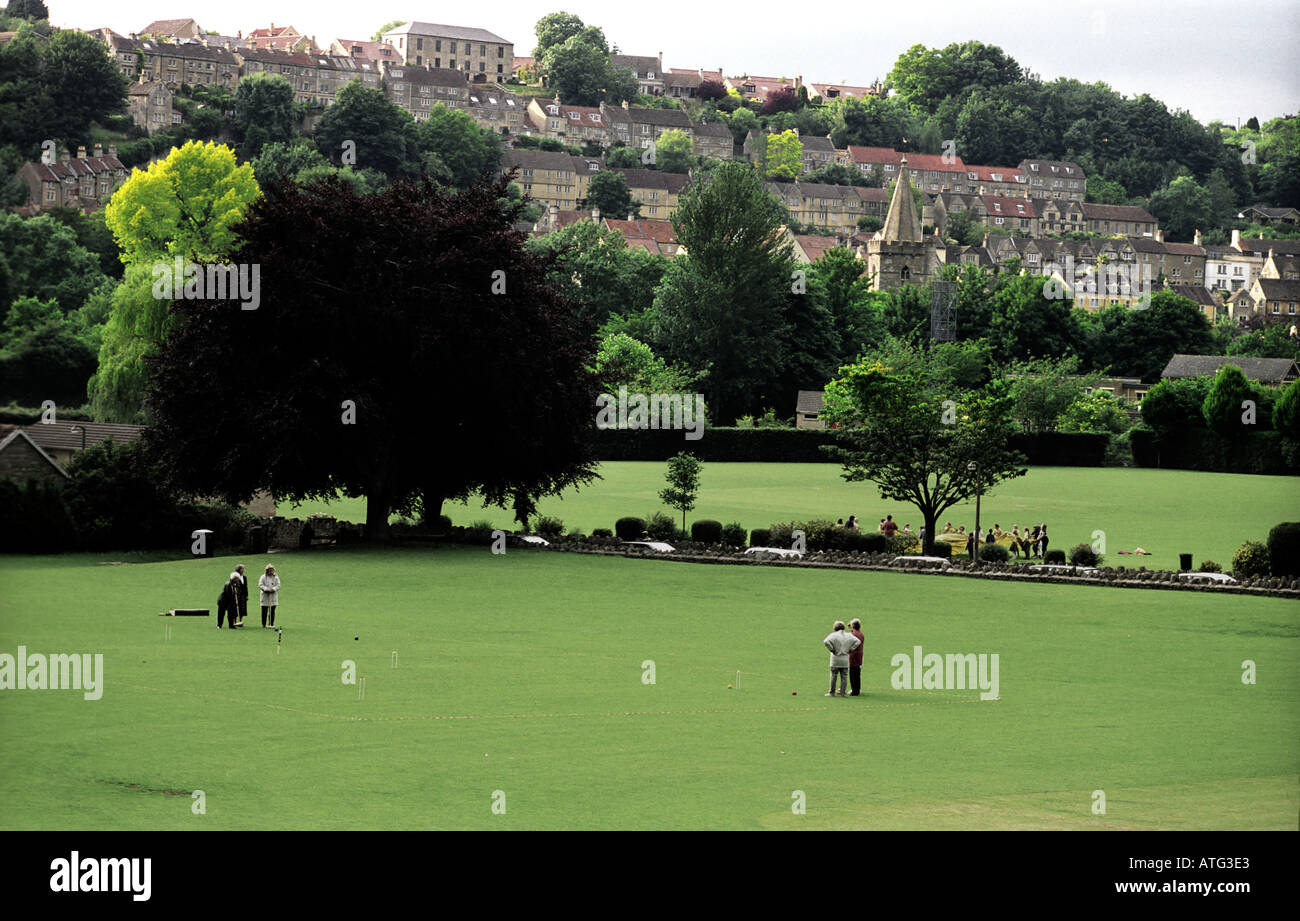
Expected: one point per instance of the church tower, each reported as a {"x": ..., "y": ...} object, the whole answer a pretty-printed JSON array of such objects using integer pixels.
[{"x": 899, "y": 253}]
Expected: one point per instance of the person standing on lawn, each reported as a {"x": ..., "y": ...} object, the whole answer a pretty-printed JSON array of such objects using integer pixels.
[
  {"x": 228, "y": 603},
  {"x": 243, "y": 594},
  {"x": 855, "y": 659},
  {"x": 269, "y": 584},
  {"x": 840, "y": 644}
]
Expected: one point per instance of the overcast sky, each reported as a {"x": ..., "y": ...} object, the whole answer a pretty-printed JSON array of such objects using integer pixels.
[{"x": 1223, "y": 60}]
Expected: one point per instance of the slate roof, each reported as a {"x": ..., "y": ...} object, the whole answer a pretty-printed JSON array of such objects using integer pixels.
[
  {"x": 441, "y": 31},
  {"x": 1265, "y": 370},
  {"x": 59, "y": 435}
]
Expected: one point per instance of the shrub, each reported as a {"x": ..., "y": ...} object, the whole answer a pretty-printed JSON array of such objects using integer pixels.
[
  {"x": 760, "y": 537},
  {"x": 660, "y": 527},
  {"x": 602, "y": 532},
  {"x": 823, "y": 534},
  {"x": 550, "y": 527},
  {"x": 1209, "y": 566},
  {"x": 994, "y": 553},
  {"x": 1084, "y": 555},
  {"x": 733, "y": 535},
  {"x": 1284, "y": 549},
  {"x": 903, "y": 543},
  {"x": 34, "y": 519},
  {"x": 1250, "y": 560},
  {"x": 1054, "y": 556},
  {"x": 942, "y": 549},
  {"x": 630, "y": 528},
  {"x": 707, "y": 531},
  {"x": 444, "y": 522}
]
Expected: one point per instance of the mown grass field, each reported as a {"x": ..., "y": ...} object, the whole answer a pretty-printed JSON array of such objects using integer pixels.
[
  {"x": 523, "y": 674},
  {"x": 1166, "y": 512}
]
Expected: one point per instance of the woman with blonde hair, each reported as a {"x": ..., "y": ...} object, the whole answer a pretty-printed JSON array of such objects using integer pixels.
[{"x": 269, "y": 583}]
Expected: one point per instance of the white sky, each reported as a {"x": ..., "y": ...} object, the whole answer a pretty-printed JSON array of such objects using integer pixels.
[{"x": 1223, "y": 60}]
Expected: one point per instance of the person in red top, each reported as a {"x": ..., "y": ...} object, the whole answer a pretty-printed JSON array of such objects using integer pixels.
[
  {"x": 855, "y": 659},
  {"x": 890, "y": 527}
]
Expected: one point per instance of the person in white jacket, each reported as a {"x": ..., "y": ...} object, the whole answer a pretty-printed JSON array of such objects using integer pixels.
[
  {"x": 269, "y": 583},
  {"x": 840, "y": 644}
]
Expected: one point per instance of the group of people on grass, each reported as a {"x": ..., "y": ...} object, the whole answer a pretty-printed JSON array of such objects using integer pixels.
[
  {"x": 1024, "y": 542},
  {"x": 888, "y": 526},
  {"x": 846, "y": 657},
  {"x": 232, "y": 606}
]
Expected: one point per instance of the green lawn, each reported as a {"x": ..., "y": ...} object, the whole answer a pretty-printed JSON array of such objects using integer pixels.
[
  {"x": 1164, "y": 511},
  {"x": 522, "y": 673}
]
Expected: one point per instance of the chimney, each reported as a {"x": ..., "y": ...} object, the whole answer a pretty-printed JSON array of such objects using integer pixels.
[
  {"x": 661, "y": 64},
  {"x": 631, "y": 216},
  {"x": 65, "y": 156},
  {"x": 1160, "y": 236},
  {"x": 1236, "y": 239},
  {"x": 81, "y": 152},
  {"x": 1196, "y": 238},
  {"x": 112, "y": 150},
  {"x": 798, "y": 81},
  {"x": 99, "y": 152},
  {"x": 595, "y": 214}
]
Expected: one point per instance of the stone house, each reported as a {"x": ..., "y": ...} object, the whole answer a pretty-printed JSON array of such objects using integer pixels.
[
  {"x": 929, "y": 172},
  {"x": 649, "y": 71},
  {"x": 1228, "y": 269},
  {"x": 418, "y": 89},
  {"x": 658, "y": 192},
  {"x": 150, "y": 105},
  {"x": 61, "y": 440},
  {"x": 680, "y": 83},
  {"x": 757, "y": 89},
  {"x": 498, "y": 111},
  {"x": 86, "y": 182},
  {"x": 280, "y": 38},
  {"x": 638, "y": 127},
  {"x": 172, "y": 29},
  {"x": 1054, "y": 179},
  {"x": 22, "y": 460},
  {"x": 575, "y": 125},
  {"x": 711, "y": 139},
  {"x": 655, "y": 237},
  {"x": 817, "y": 152},
  {"x": 549, "y": 178},
  {"x": 808, "y": 410},
  {"x": 190, "y": 62}
]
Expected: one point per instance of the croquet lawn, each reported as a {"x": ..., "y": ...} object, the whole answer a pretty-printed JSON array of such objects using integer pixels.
[
  {"x": 522, "y": 683},
  {"x": 1165, "y": 512}
]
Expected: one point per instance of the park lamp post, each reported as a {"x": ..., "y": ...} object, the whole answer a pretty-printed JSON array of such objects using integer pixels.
[
  {"x": 974, "y": 468},
  {"x": 82, "y": 430}
]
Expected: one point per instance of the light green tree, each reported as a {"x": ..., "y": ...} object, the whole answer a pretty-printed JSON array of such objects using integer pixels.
[
  {"x": 784, "y": 156},
  {"x": 185, "y": 205},
  {"x": 673, "y": 151}
]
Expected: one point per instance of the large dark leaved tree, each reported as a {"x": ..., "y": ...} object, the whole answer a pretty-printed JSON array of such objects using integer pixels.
[{"x": 416, "y": 306}]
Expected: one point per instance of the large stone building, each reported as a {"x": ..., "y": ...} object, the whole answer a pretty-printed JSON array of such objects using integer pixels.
[
  {"x": 649, "y": 71},
  {"x": 640, "y": 127},
  {"x": 482, "y": 55},
  {"x": 150, "y": 105},
  {"x": 191, "y": 63},
  {"x": 418, "y": 89}
]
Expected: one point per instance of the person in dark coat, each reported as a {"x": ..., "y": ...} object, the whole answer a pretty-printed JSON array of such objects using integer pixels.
[
  {"x": 228, "y": 603},
  {"x": 1042, "y": 541},
  {"x": 855, "y": 659},
  {"x": 243, "y": 595}
]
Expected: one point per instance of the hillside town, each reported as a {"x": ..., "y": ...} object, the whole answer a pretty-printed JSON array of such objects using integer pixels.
[{"x": 1031, "y": 214}]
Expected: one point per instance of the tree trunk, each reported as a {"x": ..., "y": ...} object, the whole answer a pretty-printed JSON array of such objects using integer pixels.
[
  {"x": 377, "y": 508},
  {"x": 432, "y": 503},
  {"x": 927, "y": 545}
]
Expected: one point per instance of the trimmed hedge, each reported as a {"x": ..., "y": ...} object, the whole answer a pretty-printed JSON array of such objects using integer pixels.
[
  {"x": 1250, "y": 560},
  {"x": 994, "y": 553},
  {"x": 797, "y": 446},
  {"x": 1261, "y": 452},
  {"x": 706, "y": 531},
  {"x": 942, "y": 549},
  {"x": 734, "y": 534},
  {"x": 661, "y": 527},
  {"x": 1284, "y": 549},
  {"x": 760, "y": 537},
  {"x": 823, "y": 534},
  {"x": 629, "y": 528},
  {"x": 1055, "y": 557}
]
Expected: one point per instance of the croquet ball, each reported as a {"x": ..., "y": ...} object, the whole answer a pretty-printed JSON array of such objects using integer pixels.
[
  {"x": 793, "y": 693},
  {"x": 728, "y": 687},
  {"x": 356, "y": 637}
]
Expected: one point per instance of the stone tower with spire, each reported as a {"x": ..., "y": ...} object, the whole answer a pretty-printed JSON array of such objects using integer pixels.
[{"x": 900, "y": 253}]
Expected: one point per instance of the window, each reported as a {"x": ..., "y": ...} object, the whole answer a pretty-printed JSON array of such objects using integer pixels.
[
  {"x": 437, "y": 44},
  {"x": 419, "y": 44},
  {"x": 501, "y": 52},
  {"x": 482, "y": 51}
]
